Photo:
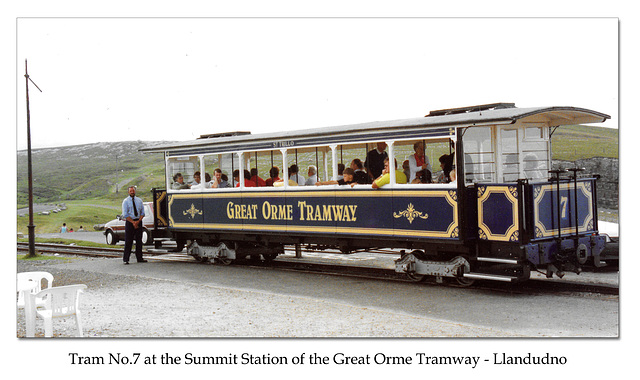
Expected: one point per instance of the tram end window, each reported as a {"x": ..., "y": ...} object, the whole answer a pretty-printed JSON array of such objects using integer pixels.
[
  {"x": 479, "y": 155},
  {"x": 185, "y": 167}
]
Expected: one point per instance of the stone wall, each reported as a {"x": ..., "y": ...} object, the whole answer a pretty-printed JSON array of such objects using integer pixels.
[{"x": 608, "y": 185}]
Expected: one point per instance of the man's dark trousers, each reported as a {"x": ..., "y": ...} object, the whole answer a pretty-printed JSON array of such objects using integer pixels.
[{"x": 131, "y": 234}]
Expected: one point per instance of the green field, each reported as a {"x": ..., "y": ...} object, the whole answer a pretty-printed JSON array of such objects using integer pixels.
[
  {"x": 579, "y": 142},
  {"x": 86, "y": 214}
]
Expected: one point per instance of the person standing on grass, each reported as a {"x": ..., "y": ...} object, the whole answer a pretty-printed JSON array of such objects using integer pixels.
[{"x": 132, "y": 212}]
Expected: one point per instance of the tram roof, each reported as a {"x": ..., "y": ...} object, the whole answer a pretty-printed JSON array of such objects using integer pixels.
[{"x": 441, "y": 124}]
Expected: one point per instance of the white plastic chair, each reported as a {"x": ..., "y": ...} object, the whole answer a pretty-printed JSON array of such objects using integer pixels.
[
  {"x": 60, "y": 301},
  {"x": 37, "y": 277}
]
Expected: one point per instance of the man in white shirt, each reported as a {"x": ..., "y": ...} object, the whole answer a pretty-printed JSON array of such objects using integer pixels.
[
  {"x": 295, "y": 177},
  {"x": 133, "y": 213},
  {"x": 313, "y": 176}
]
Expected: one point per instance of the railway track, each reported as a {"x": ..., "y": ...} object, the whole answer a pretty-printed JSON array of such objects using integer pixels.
[{"x": 309, "y": 265}]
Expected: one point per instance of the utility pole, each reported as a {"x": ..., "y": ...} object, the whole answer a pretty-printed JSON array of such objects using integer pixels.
[
  {"x": 31, "y": 227},
  {"x": 116, "y": 173}
]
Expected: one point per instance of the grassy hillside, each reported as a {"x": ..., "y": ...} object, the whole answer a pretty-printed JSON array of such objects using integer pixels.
[
  {"x": 92, "y": 171},
  {"x": 579, "y": 141}
]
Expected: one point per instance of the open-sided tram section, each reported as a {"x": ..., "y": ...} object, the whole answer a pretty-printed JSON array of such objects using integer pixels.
[{"x": 504, "y": 213}]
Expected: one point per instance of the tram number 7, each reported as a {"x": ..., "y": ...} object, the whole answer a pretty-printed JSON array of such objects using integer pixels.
[{"x": 563, "y": 205}]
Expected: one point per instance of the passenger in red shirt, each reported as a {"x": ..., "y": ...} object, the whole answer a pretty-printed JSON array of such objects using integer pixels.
[
  {"x": 247, "y": 182},
  {"x": 257, "y": 180},
  {"x": 274, "y": 173}
]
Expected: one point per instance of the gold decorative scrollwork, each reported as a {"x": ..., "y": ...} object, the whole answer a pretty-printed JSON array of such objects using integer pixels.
[
  {"x": 538, "y": 232},
  {"x": 193, "y": 211},
  {"x": 410, "y": 213}
]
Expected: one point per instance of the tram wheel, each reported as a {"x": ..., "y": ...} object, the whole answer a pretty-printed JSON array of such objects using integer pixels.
[
  {"x": 269, "y": 257},
  {"x": 413, "y": 276},
  {"x": 416, "y": 277},
  {"x": 463, "y": 281},
  {"x": 224, "y": 260}
]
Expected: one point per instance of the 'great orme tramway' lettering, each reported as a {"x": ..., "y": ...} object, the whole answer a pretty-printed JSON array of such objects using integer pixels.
[{"x": 268, "y": 211}]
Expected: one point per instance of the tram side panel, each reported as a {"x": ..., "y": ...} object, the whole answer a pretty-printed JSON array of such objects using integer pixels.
[
  {"x": 425, "y": 213},
  {"x": 185, "y": 211},
  {"x": 498, "y": 212},
  {"x": 499, "y": 217},
  {"x": 223, "y": 211},
  {"x": 362, "y": 216},
  {"x": 313, "y": 213},
  {"x": 266, "y": 211}
]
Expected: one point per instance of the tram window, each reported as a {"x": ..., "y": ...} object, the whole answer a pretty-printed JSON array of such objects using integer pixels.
[
  {"x": 535, "y": 159},
  {"x": 259, "y": 165},
  {"x": 479, "y": 157},
  {"x": 536, "y": 165},
  {"x": 405, "y": 152},
  {"x": 510, "y": 156},
  {"x": 534, "y": 133},
  {"x": 311, "y": 163},
  {"x": 184, "y": 167},
  {"x": 212, "y": 162},
  {"x": 347, "y": 153}
]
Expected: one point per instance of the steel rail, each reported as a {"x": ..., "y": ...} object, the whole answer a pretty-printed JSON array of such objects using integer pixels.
[{"x": 532, "y": 286}]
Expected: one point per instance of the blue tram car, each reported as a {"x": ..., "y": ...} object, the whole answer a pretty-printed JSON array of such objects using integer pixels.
[{"x": 499, "y": 213}]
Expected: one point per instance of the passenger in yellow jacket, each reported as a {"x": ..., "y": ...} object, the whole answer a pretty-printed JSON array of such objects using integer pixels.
[{"x": 385, "y": 178}]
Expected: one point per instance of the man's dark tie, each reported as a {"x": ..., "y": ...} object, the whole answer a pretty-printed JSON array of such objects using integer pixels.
[{"x": 135, "y": 209}]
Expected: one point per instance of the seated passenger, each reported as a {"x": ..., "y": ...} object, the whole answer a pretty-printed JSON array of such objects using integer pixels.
[
  {"x": 196, "y": 179},
  {"x": 274, "y": 176},
  {"x": 446, "y": 163},
  {"x": 197, "y": 184},
  {"x": 359, "y": 176},
  {"x": 405, "y": 169},
  {"x": 178, "y": 182},
  {"x": 385, "y": 178},
  {"x": 348, "y": 179},
  {"x": 280, "y": 183},
  {"x": 293, "y": 175},
  {"x": 340, "y": 170},
  {"x": 313, "y": 176},
  {"x": 257, "y": 180},
  {"x": 224, "y": 181},
  {"x": 418, "y": 163},
  {"x": 219, "y": 180},
  {"x": 247, "y": 182}
]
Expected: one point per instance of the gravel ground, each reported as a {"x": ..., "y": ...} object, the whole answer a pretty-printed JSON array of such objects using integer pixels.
[{"x": 120, "y": 305}]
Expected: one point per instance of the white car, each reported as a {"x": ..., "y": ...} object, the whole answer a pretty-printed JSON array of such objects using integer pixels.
[{"x": 114, "y": 230}]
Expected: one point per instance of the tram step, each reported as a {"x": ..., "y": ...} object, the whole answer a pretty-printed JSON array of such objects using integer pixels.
[{"x": 494, "y": 277}]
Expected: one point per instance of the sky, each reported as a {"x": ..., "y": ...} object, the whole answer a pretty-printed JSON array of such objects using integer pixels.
[{"x": 120, "y": 79}]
